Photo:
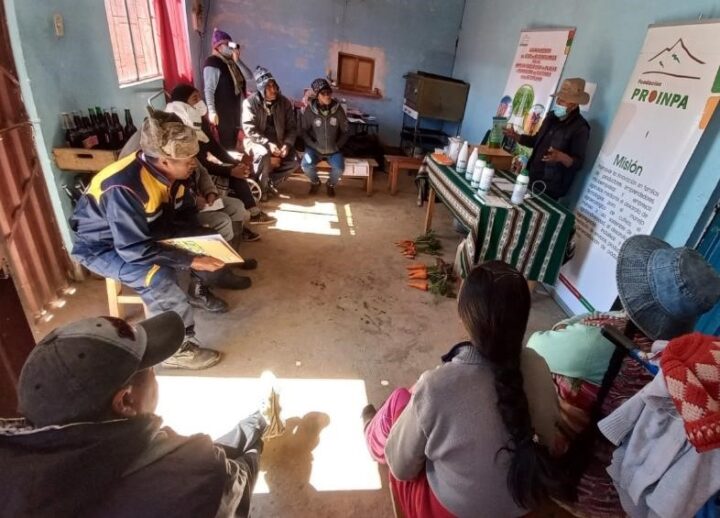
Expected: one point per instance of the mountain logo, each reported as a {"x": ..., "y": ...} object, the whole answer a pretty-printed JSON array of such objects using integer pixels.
[{"x": 675, "y": 61}]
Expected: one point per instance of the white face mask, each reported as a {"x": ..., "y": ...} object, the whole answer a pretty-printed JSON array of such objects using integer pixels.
[
  {"x": 226, "y": 51},
  {"x": 201, "y": 108}
]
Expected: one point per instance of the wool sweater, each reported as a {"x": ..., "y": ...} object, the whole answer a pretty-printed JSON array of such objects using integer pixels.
[{"x": 453, "y": 429}]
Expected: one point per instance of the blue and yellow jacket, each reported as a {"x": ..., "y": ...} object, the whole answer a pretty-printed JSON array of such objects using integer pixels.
[{"x": 127, "y": 209}]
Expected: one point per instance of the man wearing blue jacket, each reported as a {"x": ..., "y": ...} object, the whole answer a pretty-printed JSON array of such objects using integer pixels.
[{"x": 133, "y": 204}]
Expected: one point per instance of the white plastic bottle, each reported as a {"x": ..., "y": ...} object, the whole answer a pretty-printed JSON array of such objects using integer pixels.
[
  {"x": 471, "y": 164},
  {"x": 486, "y": 179},
  {"x": 463, "y": 156},
  {"x": 521, "y": 188},
  {"x": 477, "y": 173}
]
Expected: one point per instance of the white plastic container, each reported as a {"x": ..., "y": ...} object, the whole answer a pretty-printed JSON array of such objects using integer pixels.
[
  {"x": 454, "y": 148},
  {"x": 521, "y": 188},
  {"x": 486, "y": 179},
  {"x": 463, "y": 156},
  {"x": 471, "y": 164},
  {"x": 477, "y": 173}
]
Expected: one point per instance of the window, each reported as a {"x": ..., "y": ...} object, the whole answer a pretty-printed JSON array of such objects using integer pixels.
[
  {"x": 355, "y": 73},
  {"x": 133, "y": 36}
]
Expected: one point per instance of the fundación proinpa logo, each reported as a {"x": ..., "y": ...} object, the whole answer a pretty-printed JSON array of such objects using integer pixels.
[{"x": 676, "y": 62}]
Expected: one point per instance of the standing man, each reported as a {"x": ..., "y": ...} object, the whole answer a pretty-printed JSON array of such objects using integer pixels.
[
  {"x": 129, "y": 207},
  {"x": 325, "y": 129},
  {"x": 225, "y": 79},
  {"x": 560, "y": 144},
  {"x": 270, "y": 132}
]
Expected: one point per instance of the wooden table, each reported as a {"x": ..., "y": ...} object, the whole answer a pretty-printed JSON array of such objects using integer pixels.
[
  {"x": 532, "y": 237},
  {"x": 396, "y": 163}
]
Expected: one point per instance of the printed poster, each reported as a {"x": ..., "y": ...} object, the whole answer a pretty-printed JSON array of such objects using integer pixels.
[
  {"x": 534, "y": 77},
  {"x": 669, "y": 100}
]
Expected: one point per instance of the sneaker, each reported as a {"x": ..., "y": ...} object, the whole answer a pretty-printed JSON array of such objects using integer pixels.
[
  {"x": 367, "y": 415},
  {"x": 200, "y": 296},
  {"x": 249, "y": 235},
  {"x": 262, "y": 219},
  {"x": 330, "y": 190},
  {"x": 192, "y": 357},
  {"x": 314, "y": 188},
  {"x": 249, "y": 264}
]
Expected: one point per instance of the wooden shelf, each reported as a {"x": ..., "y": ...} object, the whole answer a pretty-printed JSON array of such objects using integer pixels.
[{"x": 370, "y": 95}]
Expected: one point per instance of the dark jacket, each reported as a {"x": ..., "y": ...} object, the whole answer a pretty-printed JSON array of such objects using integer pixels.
[
  {"x": 569, "y": 136},
  {"x": 325, "y": 130},
  {"x": 120, "y": 468},
  {"x": 255, "y": 115},
  {"x": 216, "y": 150},
  {"x": 226, "y": 101},
  {"x": 126, "y": 210}
]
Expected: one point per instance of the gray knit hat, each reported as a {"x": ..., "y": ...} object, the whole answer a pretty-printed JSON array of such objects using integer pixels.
[
  {"x": 664, "y": 289},
  {"x": 262, "y": 78},
  {"x": 165, "y": 135}
]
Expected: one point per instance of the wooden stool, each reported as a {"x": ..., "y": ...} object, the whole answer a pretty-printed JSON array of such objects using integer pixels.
[
  {"x": 116, "y": 299},
  {"x": 396, "y": 163}
]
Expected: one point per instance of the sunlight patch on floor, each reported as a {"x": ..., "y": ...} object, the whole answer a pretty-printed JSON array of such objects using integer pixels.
[
  {"x": 340, "y": 461},
  {"x": 320, "y": 218}
]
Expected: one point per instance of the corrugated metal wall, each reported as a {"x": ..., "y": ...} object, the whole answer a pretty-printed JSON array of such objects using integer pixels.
[{"x": 30, "y": 245}]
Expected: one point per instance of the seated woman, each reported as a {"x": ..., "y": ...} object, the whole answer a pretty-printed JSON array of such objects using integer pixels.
[
  {"x": 474, "y": 436},
  {"x": 663, "y": 291},
  {"x": 228, "y": 172}
]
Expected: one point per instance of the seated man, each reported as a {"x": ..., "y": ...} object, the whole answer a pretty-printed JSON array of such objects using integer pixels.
[
  {"x": 325, "y": 129},
  {"x": 227, "y": 172},
  {"x": 90, "y": 443},
  {"x": 133, "y": 204},
  {"x": 270, "y": 131}
]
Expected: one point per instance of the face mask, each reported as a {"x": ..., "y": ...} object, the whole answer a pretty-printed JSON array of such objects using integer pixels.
[
  {"x": 226, "y": 51},
  {"x": 560, "y": 111},
  {"x": 201, "y": 108}
]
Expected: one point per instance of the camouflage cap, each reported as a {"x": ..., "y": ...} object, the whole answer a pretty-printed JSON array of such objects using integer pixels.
[{"x": 164, "y": 135}]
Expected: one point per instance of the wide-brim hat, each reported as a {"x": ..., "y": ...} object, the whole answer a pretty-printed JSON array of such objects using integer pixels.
[
  {"x": 573, "y": 91},
  {"x": 165, "y": 135},
  {"x": 664, "y": 289}
]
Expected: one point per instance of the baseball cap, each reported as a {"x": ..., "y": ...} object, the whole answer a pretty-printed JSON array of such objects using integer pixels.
[{"x": 73, "y": 373}]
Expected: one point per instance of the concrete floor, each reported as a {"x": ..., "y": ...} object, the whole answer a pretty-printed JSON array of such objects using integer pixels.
[{"x": 330, "y": 316}]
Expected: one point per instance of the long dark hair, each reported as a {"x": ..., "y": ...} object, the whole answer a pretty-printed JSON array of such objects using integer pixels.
[{"x": 494, "y": 305}]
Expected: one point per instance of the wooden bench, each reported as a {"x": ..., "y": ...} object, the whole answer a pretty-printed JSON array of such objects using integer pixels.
[
  {"x": 116, "y": 299},
  {"x": 397, "y": 162},
  {"x": 356, "y": 168}
]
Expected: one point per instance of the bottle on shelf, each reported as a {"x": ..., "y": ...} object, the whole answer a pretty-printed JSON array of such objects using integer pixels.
[
  {"x": 117, "y": 128},
  {"x": 102, "y": 129},
  {"x": 71, "y": 133},
  {"x": 521, "y": 187},
  {"x": 129, "y": 128},
  {"x": 90, "y": 138}
]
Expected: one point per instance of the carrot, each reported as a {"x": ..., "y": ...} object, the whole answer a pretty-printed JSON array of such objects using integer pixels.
[
  {"x": 416, "y": 267},
  {"x": 419, "y": 274},
  {"x": 420, "y": 285}
]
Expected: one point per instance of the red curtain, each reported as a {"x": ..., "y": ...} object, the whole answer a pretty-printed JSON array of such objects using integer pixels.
[{"x": 174, "y": 44}]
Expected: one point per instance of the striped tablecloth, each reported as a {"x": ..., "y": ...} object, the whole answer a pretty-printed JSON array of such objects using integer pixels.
[{"x": 532, "y": 237}]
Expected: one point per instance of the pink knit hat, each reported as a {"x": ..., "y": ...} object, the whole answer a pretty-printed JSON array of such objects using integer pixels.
[{"x": 691, "y": 366}]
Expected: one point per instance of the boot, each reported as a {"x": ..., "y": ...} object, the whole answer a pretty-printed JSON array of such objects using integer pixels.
[
  {"x": 314, "y": 187},
  {"x": 227, "y": 280},
  {"x": 200, "y": 296},
  {"x": 330, "y": 190},
  {"x": 192, "y": 357}
]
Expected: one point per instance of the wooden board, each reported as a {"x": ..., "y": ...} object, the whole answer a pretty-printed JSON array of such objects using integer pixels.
[{"x": 79, "y": 159}]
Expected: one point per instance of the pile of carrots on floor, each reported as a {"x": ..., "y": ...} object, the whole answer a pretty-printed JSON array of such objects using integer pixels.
[{"x": 438, "y": 279}]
